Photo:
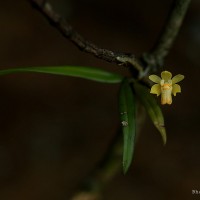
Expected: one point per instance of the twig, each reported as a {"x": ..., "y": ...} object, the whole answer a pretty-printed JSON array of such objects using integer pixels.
[
  {"x": 170, "y": 30},
  {"x": 124, "y": 59},
  {"x": 93, "y": 185}
]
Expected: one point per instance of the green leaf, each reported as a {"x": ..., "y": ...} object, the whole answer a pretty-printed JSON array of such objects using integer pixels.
[
  {"x": 127, "y": 108},
  {"x": 152, "y": 108},
  {"x": 94, "y": 74}
]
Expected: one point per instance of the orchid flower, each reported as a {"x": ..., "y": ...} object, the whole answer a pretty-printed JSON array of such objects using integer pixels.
[{"x": 166, "y": 86}]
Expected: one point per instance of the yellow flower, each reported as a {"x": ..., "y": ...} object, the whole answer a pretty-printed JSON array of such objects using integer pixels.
[{"x": 166, "y": 86}]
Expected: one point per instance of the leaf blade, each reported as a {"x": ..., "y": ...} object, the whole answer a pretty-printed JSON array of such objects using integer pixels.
[
  {"x": 89, "y": 73},
  {"x": 128, "y": 120},
  {"x": 152, "y": 108}
]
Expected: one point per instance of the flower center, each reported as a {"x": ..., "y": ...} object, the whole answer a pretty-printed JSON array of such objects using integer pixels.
[{"x": 166, "y": 86}]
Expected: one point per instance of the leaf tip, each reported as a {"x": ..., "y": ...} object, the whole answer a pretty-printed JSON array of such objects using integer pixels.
[
  {"x": 163, "y": 133},
  {"x": 125, "y": 167}
]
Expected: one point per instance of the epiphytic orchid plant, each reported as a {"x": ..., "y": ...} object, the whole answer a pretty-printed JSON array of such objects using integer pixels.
[{"x": 134, "y": 88}]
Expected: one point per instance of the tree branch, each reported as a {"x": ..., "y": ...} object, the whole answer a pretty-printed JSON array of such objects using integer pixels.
[
  {"x": 124, "y": 59},
  {"x": 170, "y": 30}
]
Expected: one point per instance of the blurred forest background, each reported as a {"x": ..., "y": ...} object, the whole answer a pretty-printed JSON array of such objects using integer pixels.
[{"x": 55, "y": 129}]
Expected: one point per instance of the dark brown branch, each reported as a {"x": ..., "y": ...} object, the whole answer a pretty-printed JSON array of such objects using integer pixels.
[
  {"x": 168, "y": 35},
  {"x": 67, "y": 30}
]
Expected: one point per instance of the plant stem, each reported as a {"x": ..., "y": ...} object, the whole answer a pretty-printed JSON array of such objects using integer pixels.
[
  {"x": 110, "y": 166},
  {"x": 168, "y": 35},
  {"x": 103, "y": 173}
]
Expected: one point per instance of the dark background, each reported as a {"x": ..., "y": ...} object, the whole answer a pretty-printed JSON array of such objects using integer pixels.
[{"x": 54, "y": 129}]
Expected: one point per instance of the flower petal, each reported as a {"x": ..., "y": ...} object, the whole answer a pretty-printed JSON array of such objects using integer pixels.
[
  {"x": 175, "y": 89},
  {"x": 166, "y": 75},
  {"x": 156, "y": 89},
  {"x": 177, "y": 78},
  {"x": 155, "y": 78}
]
